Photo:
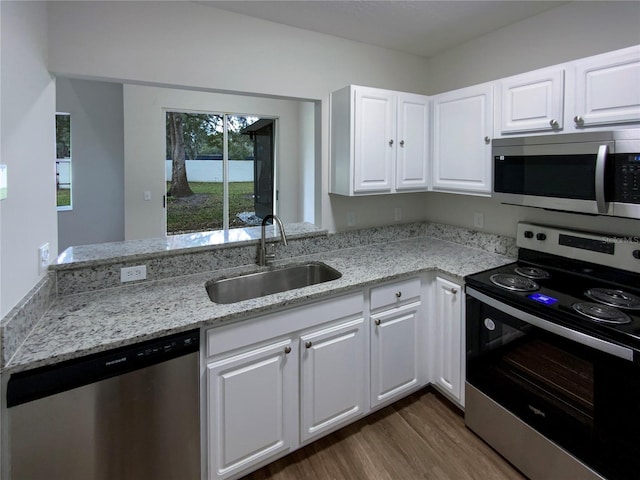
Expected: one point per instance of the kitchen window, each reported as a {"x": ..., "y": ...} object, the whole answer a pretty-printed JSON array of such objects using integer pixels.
[{"x": 219, "y": 171}]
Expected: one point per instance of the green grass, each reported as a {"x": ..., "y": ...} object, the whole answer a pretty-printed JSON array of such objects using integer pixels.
[
  {"x": 203, "y": 211},
  {"x": 64, "y": 197}
]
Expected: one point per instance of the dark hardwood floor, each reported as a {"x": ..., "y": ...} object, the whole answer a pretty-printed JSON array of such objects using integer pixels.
[{"x": 420, "y": 437}]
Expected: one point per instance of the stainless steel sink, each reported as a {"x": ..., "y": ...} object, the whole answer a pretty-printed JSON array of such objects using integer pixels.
[{"x": 259, "y": 284}]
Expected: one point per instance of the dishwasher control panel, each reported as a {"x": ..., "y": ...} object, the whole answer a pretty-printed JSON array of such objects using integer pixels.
[{"x": 52, "y": 379}]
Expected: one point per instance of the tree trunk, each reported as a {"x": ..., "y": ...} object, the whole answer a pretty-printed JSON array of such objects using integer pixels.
[{"x": 179, "y": 185}]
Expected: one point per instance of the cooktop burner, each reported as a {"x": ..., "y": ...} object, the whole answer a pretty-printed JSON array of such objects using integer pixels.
[
  {"x": 532, "y": 272},
  {"x": 514, "y": 282},
  {"x": 614, "y": 298},
  {"x": 601, "y": 313}
]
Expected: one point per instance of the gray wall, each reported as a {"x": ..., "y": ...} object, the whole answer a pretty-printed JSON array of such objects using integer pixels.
[
  {"x": 97, "y": 151},
  {"x": 27, "y": 130}
]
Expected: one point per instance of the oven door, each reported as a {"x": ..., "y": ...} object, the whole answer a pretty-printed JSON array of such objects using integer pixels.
[{"x": 580, "y": 392}]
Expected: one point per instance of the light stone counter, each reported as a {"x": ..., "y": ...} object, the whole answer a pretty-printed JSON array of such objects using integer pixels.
[{"x": 91, "y": 322}]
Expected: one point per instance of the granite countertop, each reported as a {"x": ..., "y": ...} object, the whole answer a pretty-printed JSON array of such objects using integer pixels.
[{"x": 86, "y": 323}]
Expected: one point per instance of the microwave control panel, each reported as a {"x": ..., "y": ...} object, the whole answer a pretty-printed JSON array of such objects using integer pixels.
[{"x": 627, "y": 178}]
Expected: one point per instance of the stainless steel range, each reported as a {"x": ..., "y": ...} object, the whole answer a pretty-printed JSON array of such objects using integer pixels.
[{"x": 553, "y": 355}]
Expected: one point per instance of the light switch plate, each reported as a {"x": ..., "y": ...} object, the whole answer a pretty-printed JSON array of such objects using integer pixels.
[
  {"x": 43, "y": 258},
  {"x": 478, "y": 220}
]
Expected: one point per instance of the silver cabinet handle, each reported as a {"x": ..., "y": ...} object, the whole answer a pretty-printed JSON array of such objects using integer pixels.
[
  {"x": 398, "y": 294},
  {"x": 377, "y": 321},
  {"x": 391, "y": 142},
  {"x": 454, "y": 290},
  {"x": 578, "y": 120},
  {"x": 287, "y": 349},
  {"x": 487, "y": 140},
  {"x": 554, "y": 124},
  {"x": 402, "y": 143},
  {"x": 308, "y": 344}
]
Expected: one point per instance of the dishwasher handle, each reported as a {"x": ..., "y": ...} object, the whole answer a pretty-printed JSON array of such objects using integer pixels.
[{"x": 49, "y": 380}]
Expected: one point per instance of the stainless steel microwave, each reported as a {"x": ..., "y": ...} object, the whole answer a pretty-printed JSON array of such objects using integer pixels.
[{"x": 595, "y": 173}]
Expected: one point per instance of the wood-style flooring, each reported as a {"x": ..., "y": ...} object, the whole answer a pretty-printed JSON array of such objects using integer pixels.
[{"x": 419, "y": 437}]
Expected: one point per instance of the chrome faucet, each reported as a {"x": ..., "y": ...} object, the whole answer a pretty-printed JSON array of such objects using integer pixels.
[{"x": 264, "y": 257}]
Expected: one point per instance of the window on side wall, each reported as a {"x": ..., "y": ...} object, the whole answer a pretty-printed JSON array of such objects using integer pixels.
[{"x": 63, "y": 161}]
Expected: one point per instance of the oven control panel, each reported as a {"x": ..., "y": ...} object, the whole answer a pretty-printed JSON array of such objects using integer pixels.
[{"x": 613, "y": 250}]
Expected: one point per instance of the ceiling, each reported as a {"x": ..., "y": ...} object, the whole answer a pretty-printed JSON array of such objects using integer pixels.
[{"x": 419, "y": 27}]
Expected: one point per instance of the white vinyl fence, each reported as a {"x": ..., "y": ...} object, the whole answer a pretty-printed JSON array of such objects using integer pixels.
[{"x": 211, "y": 170}]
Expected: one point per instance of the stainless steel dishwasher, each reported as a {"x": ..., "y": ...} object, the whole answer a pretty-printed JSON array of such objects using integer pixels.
[{"x": 129, "y": 413}]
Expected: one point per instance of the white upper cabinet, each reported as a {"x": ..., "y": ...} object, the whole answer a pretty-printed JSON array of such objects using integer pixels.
[
  {"x": 599, "y": 92},
  {"x": 379, "y": 141},
  {"x": 531, "y": 102},
  {"x": 375, "y": 133},
  {"x": 607, "y": 89},
  {"x": 412, "y": 159},
  {"x": 462, "y": 131}
]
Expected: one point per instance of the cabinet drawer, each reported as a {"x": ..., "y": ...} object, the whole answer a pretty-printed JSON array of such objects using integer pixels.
[{"x": 394, "y": 294}]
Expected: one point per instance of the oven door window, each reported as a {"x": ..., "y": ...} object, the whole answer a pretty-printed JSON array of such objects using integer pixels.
[{"x": 545, "y": 380}]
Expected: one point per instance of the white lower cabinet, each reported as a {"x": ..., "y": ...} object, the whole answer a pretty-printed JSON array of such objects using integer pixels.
[
  {"x": 275, "y": 383},
  {"x": 278, "y": 381},
  {"x": 395, "y": 356},
  {"x": 447, "y": 340},
  {"x": 251, "y": 397},
  {"x": 396, "y": 323},
  {"x": 332, "y": 378}
]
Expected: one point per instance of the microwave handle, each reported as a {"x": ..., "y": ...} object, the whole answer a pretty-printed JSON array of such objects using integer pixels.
[{"x": 601, "y": 161}]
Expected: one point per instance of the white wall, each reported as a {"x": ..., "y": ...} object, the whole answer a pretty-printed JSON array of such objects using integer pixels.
[
  {"x": 27, "y": 147},
  {"x": 97, "y": 149},
  {"x": 146, "y": 42},
  {"x": 569, "y": 32},
  {"x": 145, "y": 133},
  {"x": 572, "y": 31}
]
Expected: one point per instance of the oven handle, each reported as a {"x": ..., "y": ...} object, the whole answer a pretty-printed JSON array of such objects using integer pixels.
[{"x": 578, "y": 337}]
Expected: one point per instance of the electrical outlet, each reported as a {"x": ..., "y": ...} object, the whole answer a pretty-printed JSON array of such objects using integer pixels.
[
  {"x": 131, "y": 274},
  {"x": 43, "y": 258},
  {"x": 397, "y": 214},
  {"x": 351, "y": 219},
  {"x": 147, "y": 196},
  {"x": 478, "y": 220}
]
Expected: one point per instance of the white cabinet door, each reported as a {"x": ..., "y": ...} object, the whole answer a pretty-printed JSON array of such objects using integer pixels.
[
  {"x": 412, "y": 157},
  {"x": 395, "y": 358},
  {"x": 375, "y": 137},
  {"x": 463, "y": 127},
  {"x": 332, "y": 378},
  {"x": 608, "y": 88},
  {"x": 447, "y": 345},
  {"x": 252, "y": 403},
  {"x": 532, "y": 102},
  {"x": 379, "y": 141}
]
